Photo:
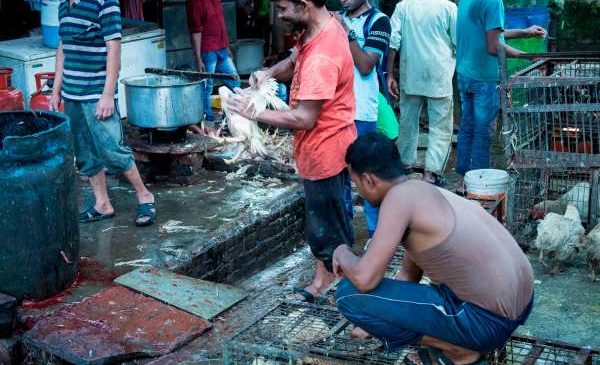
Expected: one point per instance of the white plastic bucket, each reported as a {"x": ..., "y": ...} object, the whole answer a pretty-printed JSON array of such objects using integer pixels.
[
  {"x": 486, "y": 182},
  {"x": 50, "y": 23}
]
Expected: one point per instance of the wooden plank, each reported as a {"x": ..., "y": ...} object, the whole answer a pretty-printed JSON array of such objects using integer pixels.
[{"x": 198, "y": 297}]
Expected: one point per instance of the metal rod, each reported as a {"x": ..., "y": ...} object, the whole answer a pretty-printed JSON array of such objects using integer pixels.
[
  {"x": 192, "y": 75},
  {"x": 559, "y": 55}
]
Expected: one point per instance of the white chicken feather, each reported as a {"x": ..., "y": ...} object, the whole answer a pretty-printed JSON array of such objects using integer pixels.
[
  {"x": 559, "y": 236},
  {"x": 246, "y": 131},
  {"x": 591, "y": 250}
]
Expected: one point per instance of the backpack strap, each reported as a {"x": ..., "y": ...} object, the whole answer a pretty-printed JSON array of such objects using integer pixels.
[{"x": 374, "y": 15}]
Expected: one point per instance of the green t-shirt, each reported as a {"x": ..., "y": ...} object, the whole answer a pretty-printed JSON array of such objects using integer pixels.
[{"x": 386, "y": 119}]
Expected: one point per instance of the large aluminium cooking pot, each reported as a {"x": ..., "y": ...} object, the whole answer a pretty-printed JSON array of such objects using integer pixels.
[{"x": 157, "y": 101}]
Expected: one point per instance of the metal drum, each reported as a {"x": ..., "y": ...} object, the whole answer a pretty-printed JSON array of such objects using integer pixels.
[
  {"x": 249, "y": 55},
  {"x": 166, "y": 102},
  {"x": 39, "y": 226}
]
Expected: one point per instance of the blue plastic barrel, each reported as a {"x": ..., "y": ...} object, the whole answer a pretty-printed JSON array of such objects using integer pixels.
[{"x": 50, "y": 23}]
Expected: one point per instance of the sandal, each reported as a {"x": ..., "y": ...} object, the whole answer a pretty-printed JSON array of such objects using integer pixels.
[
  {"x": 92, "y": 215},
  {"x": 146, "y": 214},
  {"x": 309, "y": 297},
  {"x": 437, "y": 180}
]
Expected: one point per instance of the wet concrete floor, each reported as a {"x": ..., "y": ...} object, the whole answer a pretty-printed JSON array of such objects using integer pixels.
[
  {"x": 187, "y": 217},
  {"x": 567, "y": 306}
]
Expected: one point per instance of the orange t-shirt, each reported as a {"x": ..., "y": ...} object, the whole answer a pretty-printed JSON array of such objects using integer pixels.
[{"x": 325, "y": 71}]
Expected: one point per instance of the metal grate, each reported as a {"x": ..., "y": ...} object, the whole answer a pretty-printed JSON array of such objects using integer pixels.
[
  {"x": 535, "y": 192},
  {"x": 300, "y": 333},
  {"x": 525, "y": 350},
  {"x": 552, "y": 113},
  {"x": 305, "y": 334}
]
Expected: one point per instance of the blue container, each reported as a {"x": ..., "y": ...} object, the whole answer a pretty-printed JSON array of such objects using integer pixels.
[
  {"x": 50, "y": 23},
  {"x": 520, "y": 18}
]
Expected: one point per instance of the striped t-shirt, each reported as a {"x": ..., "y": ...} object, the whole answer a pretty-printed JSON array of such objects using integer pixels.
[{"x": 85, "y": 27}]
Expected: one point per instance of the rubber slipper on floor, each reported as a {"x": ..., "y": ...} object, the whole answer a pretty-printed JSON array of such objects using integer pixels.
[
  {"x": 308, "y": 296},
  {"x": 92, "y": 215},
  {"x": 146, "y": 214}
]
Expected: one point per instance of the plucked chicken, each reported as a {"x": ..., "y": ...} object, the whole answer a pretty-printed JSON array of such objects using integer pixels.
[{"x": 246, "y": 132}]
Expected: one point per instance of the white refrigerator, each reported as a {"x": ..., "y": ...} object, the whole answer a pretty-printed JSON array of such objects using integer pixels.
[{"x": 141, "y": 48}]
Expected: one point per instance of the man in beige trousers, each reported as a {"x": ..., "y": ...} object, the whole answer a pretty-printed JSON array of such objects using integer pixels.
[{"x": 424, "y": 33}]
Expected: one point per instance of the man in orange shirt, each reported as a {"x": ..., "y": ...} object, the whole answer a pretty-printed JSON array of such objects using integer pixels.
[{"x": 322, "y": 116}]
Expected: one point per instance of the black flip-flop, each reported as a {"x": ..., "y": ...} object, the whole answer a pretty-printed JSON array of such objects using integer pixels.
[
  {"x": 145, "y": 210},
  {"x": 309, "y": 297},
  {"x": 92, "y": 215}
]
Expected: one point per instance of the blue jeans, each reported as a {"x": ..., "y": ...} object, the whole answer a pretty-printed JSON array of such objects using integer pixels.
[
  {"x": 371, "y": 212},
  {"x": 217, "y": 61},
  {"x": 480, "y": 107},
  {"x": 400, "y": 313}
]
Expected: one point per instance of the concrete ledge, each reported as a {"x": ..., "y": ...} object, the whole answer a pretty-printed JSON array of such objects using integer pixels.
[{"x": 246, "y": 245}]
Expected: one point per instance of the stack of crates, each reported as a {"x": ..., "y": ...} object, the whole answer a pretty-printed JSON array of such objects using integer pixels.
[{"x": 552, "y": 133}]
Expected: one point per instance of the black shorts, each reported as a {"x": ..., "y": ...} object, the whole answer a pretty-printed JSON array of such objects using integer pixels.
[{"x": 327, "y": 220}]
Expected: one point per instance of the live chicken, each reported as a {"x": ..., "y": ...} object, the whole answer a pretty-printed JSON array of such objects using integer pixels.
[
  {"x": 591, "y": 251},
  {"x": 559, "y": 236}
]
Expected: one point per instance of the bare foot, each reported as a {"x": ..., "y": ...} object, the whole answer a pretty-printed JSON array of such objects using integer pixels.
[
  {"x": 104, "y": 208},
  {"x": 145, "y": 197},
  {"x": 359, "y": 333}
]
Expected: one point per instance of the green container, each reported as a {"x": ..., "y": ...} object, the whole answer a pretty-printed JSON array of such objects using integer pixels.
[{"x": 529, "y": 45}]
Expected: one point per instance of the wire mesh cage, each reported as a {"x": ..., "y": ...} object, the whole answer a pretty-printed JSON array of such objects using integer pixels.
[
  {"x": 303, "y": 334},
  {"x": 552, "y": 113},
  {"x": 521, "y": 350},
  {"x": 534, "y": 192}
]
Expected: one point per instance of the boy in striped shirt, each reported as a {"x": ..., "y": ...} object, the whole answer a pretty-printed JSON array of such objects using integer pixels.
[{"x": 87, "y": 70}]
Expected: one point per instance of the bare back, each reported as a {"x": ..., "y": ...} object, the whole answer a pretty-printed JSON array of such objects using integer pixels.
[{"x": 457, "y": 243}]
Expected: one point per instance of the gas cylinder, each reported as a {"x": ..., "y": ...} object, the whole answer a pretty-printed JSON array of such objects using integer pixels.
[
  {"x": 40, "y": 100},
  {"x": 10, "y": 97}
]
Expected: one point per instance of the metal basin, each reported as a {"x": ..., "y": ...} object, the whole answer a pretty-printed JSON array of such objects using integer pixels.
[{"x": 167, "y": 102}]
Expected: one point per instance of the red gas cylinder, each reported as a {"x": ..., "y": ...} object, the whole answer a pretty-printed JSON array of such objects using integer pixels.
[
  {"x": 10, "y": 98},
  {"x": 40, "y": 100}
]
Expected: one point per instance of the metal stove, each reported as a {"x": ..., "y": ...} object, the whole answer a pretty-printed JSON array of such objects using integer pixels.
[{"x": 174, "y": 156}]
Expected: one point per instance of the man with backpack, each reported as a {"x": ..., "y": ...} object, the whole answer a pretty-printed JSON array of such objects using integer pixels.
[
  {"x": 368, "y": 32},
  {"x": 424, "y": 33}
]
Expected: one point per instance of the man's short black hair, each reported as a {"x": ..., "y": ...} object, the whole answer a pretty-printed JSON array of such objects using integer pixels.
[
  {"x": 376, "y": 154},
  {"x": 318, "y": 3}
]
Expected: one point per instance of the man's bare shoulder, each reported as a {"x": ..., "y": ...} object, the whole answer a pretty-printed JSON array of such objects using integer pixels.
[{"x": 412, "y": 190}]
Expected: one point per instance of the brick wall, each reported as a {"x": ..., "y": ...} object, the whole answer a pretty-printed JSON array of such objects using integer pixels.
[{"x": 248, "y": 244}]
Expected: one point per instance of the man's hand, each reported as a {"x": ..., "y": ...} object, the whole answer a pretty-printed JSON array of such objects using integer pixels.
[
  {"x": 55, "y": 101},
  {"x": 240, "y": 104},
  {"x": 258, "y": 77},
  {"x": 200, "y": 64},
  {"x": 105, "y": 107},
  {"x": 536, "y": 31},
  {"x": 393, "y": 87},
  {"x": 337, "y": 270}
]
